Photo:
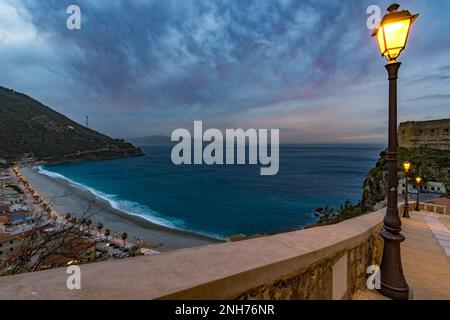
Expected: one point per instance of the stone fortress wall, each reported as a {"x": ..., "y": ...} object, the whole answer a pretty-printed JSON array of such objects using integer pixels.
[{"x": 434, "y": 134}]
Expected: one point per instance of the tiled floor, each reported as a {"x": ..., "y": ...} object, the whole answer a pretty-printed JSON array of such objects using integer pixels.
[
  {"x": 440, "y": 232},
  {"x": 425, "y": 257}
]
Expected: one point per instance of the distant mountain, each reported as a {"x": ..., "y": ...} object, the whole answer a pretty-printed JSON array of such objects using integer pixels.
[
  {"x": 29, "y": 127},
  {"x": 150, "y": 141}
]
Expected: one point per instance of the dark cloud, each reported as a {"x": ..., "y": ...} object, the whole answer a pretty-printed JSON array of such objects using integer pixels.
[{"x": 156, "y": 62}]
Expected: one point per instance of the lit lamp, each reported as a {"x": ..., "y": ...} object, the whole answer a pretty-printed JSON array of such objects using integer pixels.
[
  {"x": 393, "y": 31},
  {"x": 418, "y": 182},
  {"x": 392, "y": 35},
  {"x": 406, "y": 167}
]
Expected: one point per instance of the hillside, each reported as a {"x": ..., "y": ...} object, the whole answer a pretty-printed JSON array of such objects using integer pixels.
[
  {"x": 431, "y": 164},
  {"x": 29, "y": 127}
]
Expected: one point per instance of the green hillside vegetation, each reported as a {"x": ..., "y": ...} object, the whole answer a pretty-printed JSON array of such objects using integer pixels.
[
  {"x": 430, "y": 164},
  {"x": 29, "y": 127}
]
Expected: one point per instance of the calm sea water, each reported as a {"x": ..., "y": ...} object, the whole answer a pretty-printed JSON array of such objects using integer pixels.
[{"x": 218, "y": 200}]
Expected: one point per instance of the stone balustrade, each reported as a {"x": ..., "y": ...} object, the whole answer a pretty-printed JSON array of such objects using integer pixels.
[
  {"x": 424, "y": 206},
  {"x": 326, "y": 262}
]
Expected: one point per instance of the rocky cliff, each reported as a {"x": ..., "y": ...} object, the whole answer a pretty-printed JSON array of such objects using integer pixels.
[{"x": 430, "y": 164}]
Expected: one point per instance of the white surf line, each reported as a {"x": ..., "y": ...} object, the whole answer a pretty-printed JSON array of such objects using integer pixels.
[{"x": 440, "y": 232}]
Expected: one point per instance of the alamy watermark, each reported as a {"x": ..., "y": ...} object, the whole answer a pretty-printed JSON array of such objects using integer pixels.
[
  {"x": 374, "y": 279},
  {"x": 73, "y": 22},
  {"x": 257, "y": 141},
  {"x": 375, "y": 16},
  {"x": 73, "y": 282}
]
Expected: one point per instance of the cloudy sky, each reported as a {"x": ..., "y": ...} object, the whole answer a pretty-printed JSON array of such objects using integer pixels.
[{"x": 146, "y": 67}]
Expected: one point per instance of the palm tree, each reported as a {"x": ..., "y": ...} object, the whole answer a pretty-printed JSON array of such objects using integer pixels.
[
  {"x": 88, "y": 224},
  {"x": 107, "y": 233},
  {"x": 124, "y": 237},
  {"x": 74, "y": 221},
  {"x": 100, "y": 227},
  {"x": 83, "y": 223}
]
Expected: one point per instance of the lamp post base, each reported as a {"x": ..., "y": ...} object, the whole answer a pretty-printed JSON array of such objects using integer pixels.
[
  {"x": 406, "y": 211},
  {"x": 394, "y": 293},
  {"x": 393, "y": 283}
]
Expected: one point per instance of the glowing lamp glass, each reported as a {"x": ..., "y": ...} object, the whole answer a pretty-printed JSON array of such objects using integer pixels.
[
  {"x": 418, "y": 180},
  {"x": 393, "y": 31},
  {"x": 406, "y": 165}
]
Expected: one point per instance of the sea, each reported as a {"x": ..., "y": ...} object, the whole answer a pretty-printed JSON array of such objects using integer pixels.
[{"x": 219, "y": 200}]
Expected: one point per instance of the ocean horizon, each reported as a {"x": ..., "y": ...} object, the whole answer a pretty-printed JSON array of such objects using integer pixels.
[{"x": 219, "y": 200}]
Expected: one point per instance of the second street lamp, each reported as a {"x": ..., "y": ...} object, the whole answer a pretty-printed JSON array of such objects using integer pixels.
[
  {"x": 418, "y": 181},
  {"x": 406, "y": 167},
  {"x": 392, "y": 34}
]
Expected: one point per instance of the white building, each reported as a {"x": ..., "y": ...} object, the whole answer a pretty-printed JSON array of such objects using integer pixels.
[
  {"x": 427, "y": 187},
  {"x": 18, "y": 207}
]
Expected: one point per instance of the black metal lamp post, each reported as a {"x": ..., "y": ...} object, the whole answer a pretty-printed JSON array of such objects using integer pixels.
[
  {"x": 406, "y": 167},
  {"x": 418, "y": 181},
  {"x": 392, "y": 35}
]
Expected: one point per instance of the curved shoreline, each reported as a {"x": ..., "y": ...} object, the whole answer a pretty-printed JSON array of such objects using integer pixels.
[
  {"x": 115, "y": 204},
  {"x": 65, "y": 197}
]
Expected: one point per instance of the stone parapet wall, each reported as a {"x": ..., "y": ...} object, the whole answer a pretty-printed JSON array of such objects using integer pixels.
[
  {"x": 424, "y": 206},
  {"x": 315, "y": 282},
  {"x": 326, "y": 262}
]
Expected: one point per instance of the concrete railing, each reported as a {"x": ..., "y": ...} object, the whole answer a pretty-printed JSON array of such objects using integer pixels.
[
  {"x": 326, "y": 262},
  {"x": 424, "y": 206}
]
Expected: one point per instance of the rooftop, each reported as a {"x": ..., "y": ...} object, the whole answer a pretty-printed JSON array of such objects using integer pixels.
[{"x": 6, "y": 237}]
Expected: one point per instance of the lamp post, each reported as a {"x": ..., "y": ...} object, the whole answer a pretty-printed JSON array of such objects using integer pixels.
[
  {"x": 406, "y": 167},
  {"x": 418, "y": 181},
  {"x": 392, "y": 34}
]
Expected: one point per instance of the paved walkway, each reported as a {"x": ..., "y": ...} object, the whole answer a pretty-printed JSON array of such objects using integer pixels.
[{"x": 425, "y": 257}]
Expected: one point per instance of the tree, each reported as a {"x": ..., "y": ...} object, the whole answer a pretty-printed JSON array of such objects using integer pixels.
[
  {"x": 124, "y": 237},
  {"x": 74, "y": 220},
  {"x": 41, "y": 249},
  {"x": 99, "y": 228},
  {"x": 107, "y": 233},
  {"x": 83, "y": 222},
  {"x": 68, "y": 217},
  {"x": 88, "y": 224}
]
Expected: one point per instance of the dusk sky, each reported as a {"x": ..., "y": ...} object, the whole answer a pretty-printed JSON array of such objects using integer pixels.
[{"x": 147, "y": 67}]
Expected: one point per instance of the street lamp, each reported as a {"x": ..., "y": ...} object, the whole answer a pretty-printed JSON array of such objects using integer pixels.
[
  {"x": 418, "y": 181},
  {"x": 406, "y": 167},
  {"x": 392, "y": 34}
]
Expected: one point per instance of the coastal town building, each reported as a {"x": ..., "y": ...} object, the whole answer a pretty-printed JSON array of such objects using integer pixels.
[
  {"x": 16, "y": 218},
  {"x": 9, "y": 244},
  {"x": 24, "y": 214},
  {"x": 9, "y": 196},
  {"x": 427, "y": 187}
]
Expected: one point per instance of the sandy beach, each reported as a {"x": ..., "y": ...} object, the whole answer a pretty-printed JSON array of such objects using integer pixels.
[{"x": 67, "y": 198}]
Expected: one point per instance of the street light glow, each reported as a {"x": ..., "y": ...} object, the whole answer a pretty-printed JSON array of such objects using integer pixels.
[
  {"x": 406, "y": 166},
  {"x": 393, "y": 31}
]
